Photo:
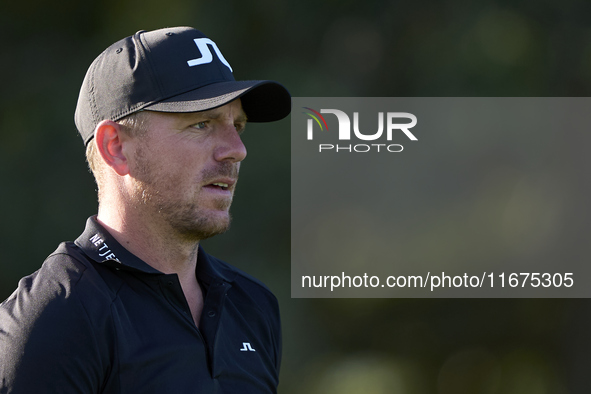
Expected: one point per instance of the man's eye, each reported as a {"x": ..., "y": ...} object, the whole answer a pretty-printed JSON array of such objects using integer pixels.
[
  {"x": 199, "y": 125},
  {"x": 240, "y": 127}
]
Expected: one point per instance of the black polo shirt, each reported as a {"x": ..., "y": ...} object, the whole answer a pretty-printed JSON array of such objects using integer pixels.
[{"x": 97, "y": 319}]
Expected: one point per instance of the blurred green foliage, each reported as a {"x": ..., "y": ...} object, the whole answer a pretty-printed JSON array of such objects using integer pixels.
[{"x": 325, "y": 48}]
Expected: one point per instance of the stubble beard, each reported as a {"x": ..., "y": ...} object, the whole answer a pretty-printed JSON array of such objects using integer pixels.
[{"x": 152, "y": 194}]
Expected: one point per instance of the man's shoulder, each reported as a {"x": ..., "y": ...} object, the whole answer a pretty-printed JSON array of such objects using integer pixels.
[
  {"x": 56, "y": 323},
  {"x": 66, "y": 283},
  {"x": 70, "y": 269}
]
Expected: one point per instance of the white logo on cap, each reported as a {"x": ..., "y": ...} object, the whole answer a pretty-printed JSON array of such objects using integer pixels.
[{"x": 206, "y": 56}]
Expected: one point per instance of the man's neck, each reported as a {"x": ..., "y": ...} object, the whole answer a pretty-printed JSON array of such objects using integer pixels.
[
  {"x": 151, "y": 242},
  {"x": 160, "y": 250}
]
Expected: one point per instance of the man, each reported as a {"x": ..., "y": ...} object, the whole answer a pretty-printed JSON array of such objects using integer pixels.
[{"x": 135, "y": 305}]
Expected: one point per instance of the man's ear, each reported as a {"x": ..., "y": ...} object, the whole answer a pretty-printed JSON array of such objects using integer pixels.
[{"x": 109, "y": 141}]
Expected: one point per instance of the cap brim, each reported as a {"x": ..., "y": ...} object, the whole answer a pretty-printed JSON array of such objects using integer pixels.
[{"x": 262, "y": 101}]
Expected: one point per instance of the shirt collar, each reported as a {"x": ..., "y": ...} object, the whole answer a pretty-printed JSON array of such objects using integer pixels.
[
  {"x": 212, "y": 270},
  {"x": 99, "y": 245}
]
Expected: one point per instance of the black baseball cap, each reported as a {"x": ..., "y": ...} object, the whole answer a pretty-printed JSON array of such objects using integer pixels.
[{"x": 175, "y": 69}]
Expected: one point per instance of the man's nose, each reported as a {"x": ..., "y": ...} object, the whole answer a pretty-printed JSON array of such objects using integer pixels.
[{"x": 230, "y": 148}]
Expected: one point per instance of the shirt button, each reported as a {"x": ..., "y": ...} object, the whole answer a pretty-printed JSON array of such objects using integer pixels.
[{"x": 211, "y": 313}]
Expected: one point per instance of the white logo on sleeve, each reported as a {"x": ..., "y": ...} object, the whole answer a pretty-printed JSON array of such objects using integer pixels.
[
  {"x": 206, "y": 56},
  {"x": 246, "y": 347}
]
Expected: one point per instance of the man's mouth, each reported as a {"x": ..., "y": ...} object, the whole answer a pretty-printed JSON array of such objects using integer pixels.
[{"x": 223, "y": 186}]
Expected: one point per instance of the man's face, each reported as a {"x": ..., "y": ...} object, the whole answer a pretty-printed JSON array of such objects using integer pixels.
[{"x": 184, "y": 170}]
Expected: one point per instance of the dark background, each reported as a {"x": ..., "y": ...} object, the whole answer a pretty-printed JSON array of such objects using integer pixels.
[{"x": 326, "y": 48}]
